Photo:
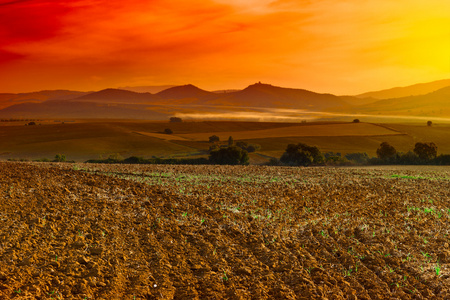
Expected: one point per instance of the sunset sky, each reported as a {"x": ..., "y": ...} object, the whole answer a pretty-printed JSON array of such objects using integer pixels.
[{"x": 336, "y": 46}]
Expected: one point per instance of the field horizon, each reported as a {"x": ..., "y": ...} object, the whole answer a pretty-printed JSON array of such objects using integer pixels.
[
  {"x": 81, "y": 140},
  {"x": 257, "y": 102}
]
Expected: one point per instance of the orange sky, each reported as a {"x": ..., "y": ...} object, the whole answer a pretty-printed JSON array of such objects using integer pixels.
[{"x": 341, "y": 47}]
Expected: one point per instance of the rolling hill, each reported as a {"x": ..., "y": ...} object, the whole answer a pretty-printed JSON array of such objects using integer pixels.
[
  {"x": 187, "y": 92},
  {"x": 81, "y": 110},
  {"x": 433, "y": 104},
  {"x": 146, "y": 89},
  {"x": 266, "y": 95},
  {"x": 8, "y": 99},
  {"x": 118, "y": 96},
  {"x": 189, "y": 99},
  {"x": 412, "y": 90}
]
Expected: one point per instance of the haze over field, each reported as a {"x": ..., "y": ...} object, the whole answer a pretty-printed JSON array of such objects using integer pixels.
[{"x": 257, "y": 102}]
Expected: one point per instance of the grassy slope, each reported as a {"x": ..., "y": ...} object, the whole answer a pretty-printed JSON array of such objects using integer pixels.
[
  {"x": 345, "y": 129},
  {"x": 81, "y": 142}
]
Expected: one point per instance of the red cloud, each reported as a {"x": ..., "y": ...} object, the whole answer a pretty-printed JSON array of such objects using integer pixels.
[{"x": 23, "y": 21}]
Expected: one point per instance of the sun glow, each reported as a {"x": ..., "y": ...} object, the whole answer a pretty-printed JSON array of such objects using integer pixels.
[{"x": 325, "y": 45}]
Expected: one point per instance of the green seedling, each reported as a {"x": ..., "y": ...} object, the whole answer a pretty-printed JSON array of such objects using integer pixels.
[
  {"x": 185, "y": 214},
  {"x": 202, "y": 221},
  {"x": 408, "y": 258},
  {"x": 428, "y": 210},
  {"x": 225, "y": 277},
  {"x": 437, "y": 269},
  {"x": 348, "y": 273}
]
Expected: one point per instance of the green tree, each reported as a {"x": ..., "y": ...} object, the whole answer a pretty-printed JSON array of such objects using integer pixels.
[
  {"x": 301, "y": 155},
  {"x": 229, "y": 156},
  {"x": 425, "y": 151},
  {"x": 429, "y": 123},
  {"x": 386, "y": 151}
]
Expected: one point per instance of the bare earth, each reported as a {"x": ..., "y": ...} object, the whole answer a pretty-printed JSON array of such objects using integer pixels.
[{"x": 208, "y": 232}]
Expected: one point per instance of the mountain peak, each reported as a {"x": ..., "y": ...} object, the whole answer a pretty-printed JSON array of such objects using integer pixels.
[
  {"x": 118, "y": 96},
  {"x": 185, "y": 91}
]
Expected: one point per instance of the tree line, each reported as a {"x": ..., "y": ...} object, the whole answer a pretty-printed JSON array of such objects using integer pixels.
[{"x": 304, "y": 155}]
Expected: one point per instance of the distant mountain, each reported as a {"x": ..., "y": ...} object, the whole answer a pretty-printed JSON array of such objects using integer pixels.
[
  {"x": 412, "y": 90},
  {"x": 354, "y": 100},
  {"x": 225, "y": 91},
  {"x": 118, "y": 96},
  {"x": 146, "y": 89},
  {"x": 188, "y": 91},
  {"x": 124, "y": 104},
  {"x": 80, "y": 110},
  {"x": 41, "y": 96},
  {"x": 433, "y": 104},
  {"x": 266, "y": 95}
]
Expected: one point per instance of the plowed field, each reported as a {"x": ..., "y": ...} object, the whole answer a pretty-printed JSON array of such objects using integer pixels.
[{"x": 214, "y": 232}]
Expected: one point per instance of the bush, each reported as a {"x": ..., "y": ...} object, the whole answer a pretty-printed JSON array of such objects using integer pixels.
[
  {"x": 168, "y": 131},
  {"x": 229, "y": 156},
  {"x": 248, "y": 147},
  {"x": 429, "y": 123},
  {"x": 214, "y": 139},
  {"x": 134, "y": 160},
  {"x": 409, "y": 158},
  {"x": 43, "y": 160},
  {"x": 60, "y": 158},
  {"x": 356, "y": 121},
  {"x": 301, "y": 155},
  {"x": 274, "y": 162},
  {"x": 175, "y": 120},
  {"x": 153, "y": 160},
  {"x": 214, "y": 147},
  {"x": 443, "y": 159},
  {"x": 358, "y": 158}
]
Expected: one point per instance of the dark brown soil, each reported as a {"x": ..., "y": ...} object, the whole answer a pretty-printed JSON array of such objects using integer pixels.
[{"x": 208, "y": 232}]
